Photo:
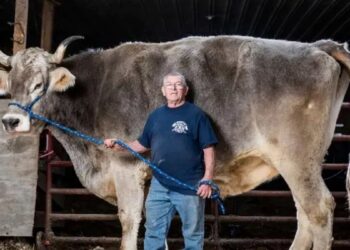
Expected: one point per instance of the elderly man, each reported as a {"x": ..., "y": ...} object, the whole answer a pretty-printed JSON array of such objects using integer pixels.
[{"x": 181, "y": 141}]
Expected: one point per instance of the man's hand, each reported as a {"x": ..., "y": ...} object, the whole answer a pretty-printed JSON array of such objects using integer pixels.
[
  {"x": 110, "y": 143},
  {"x": 204, "y": 191},
  {"x": 134, "y": 145}
]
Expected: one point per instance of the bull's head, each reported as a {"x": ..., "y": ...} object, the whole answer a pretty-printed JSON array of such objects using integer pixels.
[{"x": 31, "y": 73}]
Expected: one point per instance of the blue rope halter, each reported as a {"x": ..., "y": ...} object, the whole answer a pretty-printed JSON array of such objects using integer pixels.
[{"x": 28, "y": 108}]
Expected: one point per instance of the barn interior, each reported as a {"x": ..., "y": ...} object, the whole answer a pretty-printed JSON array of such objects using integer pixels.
[{"x": 108, "y": 23}]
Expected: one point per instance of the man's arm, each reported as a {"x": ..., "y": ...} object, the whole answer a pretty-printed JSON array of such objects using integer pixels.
[
  {"x": 209, "y": 162},
  {"x": 134, "y": 145}
]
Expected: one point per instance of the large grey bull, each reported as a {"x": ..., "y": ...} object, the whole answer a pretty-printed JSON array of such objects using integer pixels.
[{"x": 274, "y": 105}]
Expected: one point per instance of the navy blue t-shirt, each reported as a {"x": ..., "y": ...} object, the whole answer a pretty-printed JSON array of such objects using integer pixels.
[{"x": 177, "y": 137}]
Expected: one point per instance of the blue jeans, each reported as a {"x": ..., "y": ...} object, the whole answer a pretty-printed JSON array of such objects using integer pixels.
[{"x": 161, "y": 205}]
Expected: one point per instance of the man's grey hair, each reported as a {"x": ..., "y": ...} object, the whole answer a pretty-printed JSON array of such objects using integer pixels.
[{"x": 174, "y": 73}]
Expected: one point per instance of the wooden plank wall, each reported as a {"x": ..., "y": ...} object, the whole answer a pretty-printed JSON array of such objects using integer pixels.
[{"x": 18, "y": 181}]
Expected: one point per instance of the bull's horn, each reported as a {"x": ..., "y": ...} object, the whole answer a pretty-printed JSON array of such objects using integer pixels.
[
  {"x": 59, "y": 54},
  {"x": 5, "y": 60}
]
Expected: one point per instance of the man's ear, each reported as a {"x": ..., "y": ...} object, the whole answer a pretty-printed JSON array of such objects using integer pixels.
[
  {"x": 186, "y": 90},
  {"x": 61, "y": 79},
  {"x": 163, "y": 90},
  {"x": 3, "y": 83}
]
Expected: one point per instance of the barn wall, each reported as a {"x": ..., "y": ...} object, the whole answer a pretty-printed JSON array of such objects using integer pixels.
[{"x": 18, "y": 180}]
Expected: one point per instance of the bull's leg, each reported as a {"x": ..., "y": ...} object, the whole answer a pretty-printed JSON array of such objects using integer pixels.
[
  {"x": 130, "y": 193},
  {"x": 315, "y": 200},
  {"x": 303, "y": 236},
  {"x": 321, "y": 220}
]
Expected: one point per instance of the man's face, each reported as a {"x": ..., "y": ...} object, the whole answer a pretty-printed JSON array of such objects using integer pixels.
[{"x": 173, "y": 89}]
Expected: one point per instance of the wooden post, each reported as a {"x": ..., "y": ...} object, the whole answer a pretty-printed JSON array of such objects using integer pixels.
[
  {"x": 47, "y": 24},
  {"x": 20, "y": 25},
  {"x": 18, "y": 182}
]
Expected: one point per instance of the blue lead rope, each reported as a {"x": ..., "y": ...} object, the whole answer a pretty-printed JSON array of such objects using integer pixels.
[{"x": 215, "y": 189}]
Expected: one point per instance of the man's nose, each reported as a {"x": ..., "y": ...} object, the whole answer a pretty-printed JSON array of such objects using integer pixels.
[{"x": 10, "y": 122}]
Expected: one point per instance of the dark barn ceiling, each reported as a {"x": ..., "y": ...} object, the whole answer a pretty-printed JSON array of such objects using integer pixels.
[{"x": 106, "y": 23}]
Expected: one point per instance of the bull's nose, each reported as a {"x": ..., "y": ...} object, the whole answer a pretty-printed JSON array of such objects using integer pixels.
[{"x": 10, "y": 122}]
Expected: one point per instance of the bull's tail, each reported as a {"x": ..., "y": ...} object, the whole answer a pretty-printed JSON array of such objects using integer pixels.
[{"x": 339, "y": 51}]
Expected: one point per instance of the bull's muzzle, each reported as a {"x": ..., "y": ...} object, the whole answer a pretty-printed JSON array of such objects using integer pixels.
[
  {"x": 16, "y": 123},
  {"x": 10, "y": 123}
]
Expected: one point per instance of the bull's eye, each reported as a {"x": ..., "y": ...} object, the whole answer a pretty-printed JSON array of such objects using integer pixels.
[{"x": 37, "y": 86}]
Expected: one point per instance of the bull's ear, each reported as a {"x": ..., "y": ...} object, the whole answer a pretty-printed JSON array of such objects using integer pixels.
[
  {"x": 3, "y": 83},
  {"x": 61, "y": 79}
]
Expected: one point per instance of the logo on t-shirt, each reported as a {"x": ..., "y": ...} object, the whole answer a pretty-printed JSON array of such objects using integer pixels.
[{"x": 180, "y": 127}]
